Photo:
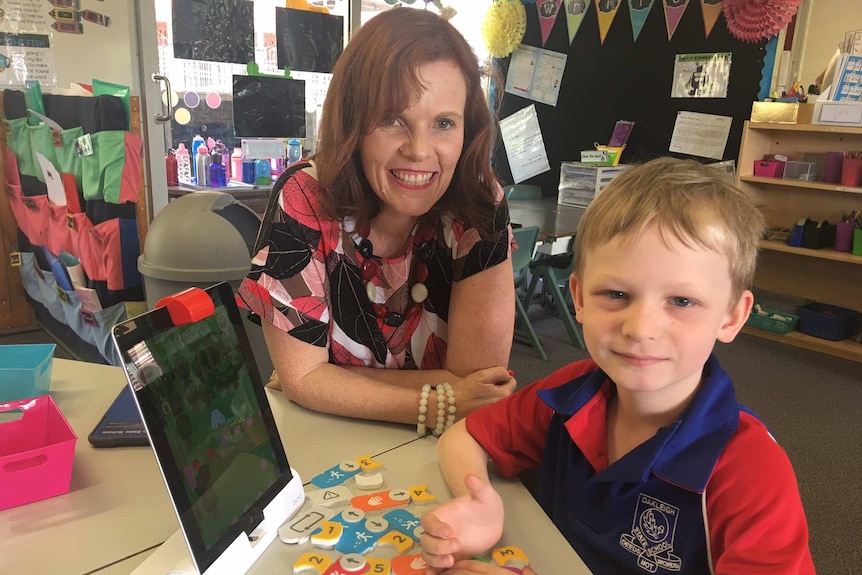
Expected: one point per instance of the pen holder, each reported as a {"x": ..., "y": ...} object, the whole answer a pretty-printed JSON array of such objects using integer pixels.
[
  {"x": 614, "y": 152},
  {"x": 851, "y": 172},
  {"x": 832, "y": 167},
  {"x": 844, "y": 236},
  {"x": 857, "y": 242},
  {"x": 816, "y": 237}
]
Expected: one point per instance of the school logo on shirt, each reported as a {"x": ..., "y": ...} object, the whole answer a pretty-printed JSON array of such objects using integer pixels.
[{"x": 651, "y": 538}]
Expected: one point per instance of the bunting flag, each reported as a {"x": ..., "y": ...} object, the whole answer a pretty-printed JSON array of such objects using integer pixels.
[
  {"x": 711, "y": 10},
  {"x": 548, "y": 10},
  {"x": 673, "y": 11},
  {"x": 639, "y": 10},
  {"x": 575, "y": 12},
  {"x": 607, "y": 11}
]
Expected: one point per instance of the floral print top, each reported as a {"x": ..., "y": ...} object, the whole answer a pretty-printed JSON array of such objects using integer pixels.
[{"x": 306, "y": 279}]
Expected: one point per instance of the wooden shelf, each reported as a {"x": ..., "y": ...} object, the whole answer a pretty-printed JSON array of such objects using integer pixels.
[
  {"x": 823, "y": 186},
  {"x": 825, "y": 254},
  {"x": 846, "y": 348},
  {"x": 819, "y": 128}
]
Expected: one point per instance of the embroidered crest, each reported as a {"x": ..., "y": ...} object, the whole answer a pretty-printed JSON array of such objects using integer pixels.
[{"x": 651, "y": 538}]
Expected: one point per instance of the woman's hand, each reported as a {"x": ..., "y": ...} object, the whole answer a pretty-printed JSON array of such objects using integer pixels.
[
  {"x": 462, "y": 527},
  {"x": 481, "y": 388},
  {"x": 470, "y": 567}
]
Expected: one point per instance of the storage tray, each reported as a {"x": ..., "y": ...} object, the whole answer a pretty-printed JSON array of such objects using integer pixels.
[
  {"x": 827, "y": 321},
  {"x": 25, "y": 370},
  {"x": 776, "y": 321}
]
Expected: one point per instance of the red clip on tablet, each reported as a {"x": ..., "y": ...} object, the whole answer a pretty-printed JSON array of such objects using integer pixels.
[{"x": 188, "y": 306}]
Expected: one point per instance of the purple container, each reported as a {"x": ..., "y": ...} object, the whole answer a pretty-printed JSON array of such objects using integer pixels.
[
  {"x": 843, "y": 236},
  {"x": 832, "y": 167}
]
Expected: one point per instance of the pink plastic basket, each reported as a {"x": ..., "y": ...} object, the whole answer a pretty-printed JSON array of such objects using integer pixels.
[{"x": 36, "y": 452}]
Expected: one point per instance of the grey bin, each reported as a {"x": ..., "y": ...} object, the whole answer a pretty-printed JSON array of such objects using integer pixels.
[{"x": 201, "y": 239}]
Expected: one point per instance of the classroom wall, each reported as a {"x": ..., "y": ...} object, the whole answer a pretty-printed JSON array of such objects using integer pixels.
[{"x": 828, "y": 22}]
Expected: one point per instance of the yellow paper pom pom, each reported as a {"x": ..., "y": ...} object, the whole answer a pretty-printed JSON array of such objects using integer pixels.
[{"x": 504, "y": 27}]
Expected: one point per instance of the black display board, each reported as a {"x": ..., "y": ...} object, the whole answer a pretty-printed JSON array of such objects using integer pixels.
[{"x": 627, "y": 80}]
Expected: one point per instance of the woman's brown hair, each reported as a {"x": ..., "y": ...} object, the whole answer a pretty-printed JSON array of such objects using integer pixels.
[{"x": 375, "y": 78}]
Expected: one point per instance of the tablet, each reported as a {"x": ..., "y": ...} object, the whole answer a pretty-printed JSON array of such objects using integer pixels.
[{"x": 209, "y": 422}]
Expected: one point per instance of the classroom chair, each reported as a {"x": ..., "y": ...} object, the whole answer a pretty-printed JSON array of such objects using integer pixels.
[
  {"x": 554, "y": 273},
  {"x": 522, "y": 192},
  {"x": 525, "y": 238}
]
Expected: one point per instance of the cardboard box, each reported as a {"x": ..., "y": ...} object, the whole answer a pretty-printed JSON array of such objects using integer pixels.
[
  {"x": 830, "y": 113},
  {"x": 781, "y": 112}
]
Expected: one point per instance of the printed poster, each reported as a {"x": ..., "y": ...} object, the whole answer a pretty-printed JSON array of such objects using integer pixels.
[
  {"x": 25, "y": 43},
  {"x": 525, "y": 148},
  {"x": 701, "y": 75},
  {"x": 536, "y": 73},
  {"x": 575, "y": 12},
  {"x": 703, "y": 135}
]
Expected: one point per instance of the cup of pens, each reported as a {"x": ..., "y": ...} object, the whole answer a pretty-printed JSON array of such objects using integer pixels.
[{"x": 851, "y": 169}]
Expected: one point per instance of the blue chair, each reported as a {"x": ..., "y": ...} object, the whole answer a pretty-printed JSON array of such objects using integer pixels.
[
  {"x": 521, "y": 257},
  {"x": 554, "y": 273},
  {"x": 522, "y": 192}
]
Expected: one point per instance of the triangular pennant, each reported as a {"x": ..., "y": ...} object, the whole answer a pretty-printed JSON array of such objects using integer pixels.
[
  {"x": 673, "y": 11},
  {"x": 548, "y": 10},
  {"x": 711, "y": 10},
  {"x": 575, "y": 12},
  {"x": 607, "y": 11},
  {"x": 639, "y": 10}
]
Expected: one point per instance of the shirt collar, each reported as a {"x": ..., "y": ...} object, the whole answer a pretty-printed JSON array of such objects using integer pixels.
[{"x": 697, "y": 438}]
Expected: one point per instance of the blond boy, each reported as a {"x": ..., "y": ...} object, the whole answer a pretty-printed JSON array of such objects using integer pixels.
[{"x": 647, "y": 462}]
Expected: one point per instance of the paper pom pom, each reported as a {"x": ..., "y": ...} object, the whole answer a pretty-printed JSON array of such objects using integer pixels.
[
  {"x": 504, "y": 27},
  {"x": 754, "y": 20}
]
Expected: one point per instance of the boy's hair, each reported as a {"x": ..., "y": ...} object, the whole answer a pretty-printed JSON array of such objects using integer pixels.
[{"x": 688, "y": 201}]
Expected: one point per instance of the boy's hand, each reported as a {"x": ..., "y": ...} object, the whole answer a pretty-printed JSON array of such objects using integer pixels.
[
  {"x": 479, "y": 568},
  {"x": 463, "y": 527}
]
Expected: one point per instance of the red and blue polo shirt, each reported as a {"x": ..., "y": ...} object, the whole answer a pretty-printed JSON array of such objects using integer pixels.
[{"x": 711, "y": 493}]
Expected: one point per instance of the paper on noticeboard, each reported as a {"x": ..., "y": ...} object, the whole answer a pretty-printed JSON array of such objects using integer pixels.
[
  {"x": 525, "y": 148},
  {"x": 703, "y": 135},
  {"x": 536, "y": 74},
  {"x": 53, "y": 181}
]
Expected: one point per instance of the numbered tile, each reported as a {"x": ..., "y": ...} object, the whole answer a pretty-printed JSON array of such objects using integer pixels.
[
  {"x": 369, "y": 482},
  {"x": 420, "y": 495},
  {"x": 397, "y": 540},
  {"x": 510, "y": 556},
  {"x": 327, "y": 534},
  {"x": 330, "y": 497},
  {"x": 409, "y": 565},
  {"x": 312, "y": 563},
  {"x": 298, "y": 528},
  {"x": 336, "y": 475},
  {"x": 403, "y": 521},
  {"x": 378, "y": 566},
  {"x": 367, "y": 464}
]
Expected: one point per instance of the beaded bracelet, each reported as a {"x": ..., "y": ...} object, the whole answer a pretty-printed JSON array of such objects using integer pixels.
[
  {"x": 445, "y": 406},
  {"x": 423, "y": 409}
]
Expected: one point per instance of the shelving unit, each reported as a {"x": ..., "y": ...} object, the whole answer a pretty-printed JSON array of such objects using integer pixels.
[{"x": 823, "y": 275}]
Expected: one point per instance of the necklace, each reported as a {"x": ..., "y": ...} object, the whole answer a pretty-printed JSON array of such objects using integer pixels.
[{"x": 423, "y": 247}]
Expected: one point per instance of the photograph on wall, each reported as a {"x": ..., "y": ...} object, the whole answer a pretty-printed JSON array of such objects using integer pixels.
[
  {"x": 701, "y": 75},
  {"x": 308, "y": 41},
  {"x": 214, "y": 30}
]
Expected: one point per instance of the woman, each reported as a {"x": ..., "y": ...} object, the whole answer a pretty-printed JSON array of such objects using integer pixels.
[{"x": 384, "y": 271}]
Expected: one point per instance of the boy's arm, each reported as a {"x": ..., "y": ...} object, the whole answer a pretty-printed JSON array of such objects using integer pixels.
[{"x": 472, "y": 521}]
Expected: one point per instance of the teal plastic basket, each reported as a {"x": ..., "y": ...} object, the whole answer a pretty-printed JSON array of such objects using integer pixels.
[{"x": 25, "y": 370}]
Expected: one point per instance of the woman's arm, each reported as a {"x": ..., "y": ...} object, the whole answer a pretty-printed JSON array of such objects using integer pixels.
[
  {"x": 481, "y": 320},
  {"x": 307, "y": 377}
]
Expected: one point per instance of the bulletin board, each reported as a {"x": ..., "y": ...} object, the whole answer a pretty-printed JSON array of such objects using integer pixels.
[{"x": 629, "y": 80}]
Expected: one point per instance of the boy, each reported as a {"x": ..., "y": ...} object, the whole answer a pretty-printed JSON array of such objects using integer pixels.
[{"x": 647, "y": 462}]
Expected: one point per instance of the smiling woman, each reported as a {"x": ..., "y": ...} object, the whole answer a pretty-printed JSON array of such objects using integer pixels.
[{"x": 382, "y": 268}]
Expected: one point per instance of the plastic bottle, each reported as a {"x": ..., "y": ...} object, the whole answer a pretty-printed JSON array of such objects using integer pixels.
[
  {"x": 171, "y": 168},
  {"x": 218, "y": 177},
  {"x": 262, "y": 173},
  {"x": 184, "y": 164},
  {"x": 294, "y": 151},
  {"x": 202, "y": 166},
  {"x": 236, "y": 165},
  {"x": 248, "y": 173},
  {"x": 222, "y": 151},
  {"x": 197, "y": 142}
]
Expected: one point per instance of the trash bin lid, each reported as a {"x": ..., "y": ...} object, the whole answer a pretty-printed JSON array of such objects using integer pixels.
[{"x": 200, "y": 237}]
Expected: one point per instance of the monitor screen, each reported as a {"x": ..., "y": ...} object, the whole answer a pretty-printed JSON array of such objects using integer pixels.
[
  {"x": 208, "y": 418},
  {"x": 268, "y": 107}
]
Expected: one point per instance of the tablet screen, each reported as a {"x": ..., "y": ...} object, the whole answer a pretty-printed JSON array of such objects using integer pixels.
[{"x": 209, "y": 420}]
